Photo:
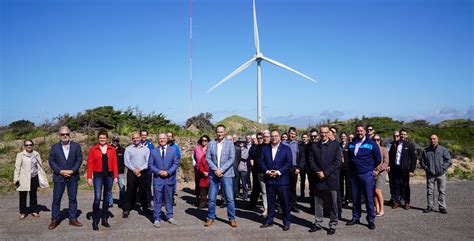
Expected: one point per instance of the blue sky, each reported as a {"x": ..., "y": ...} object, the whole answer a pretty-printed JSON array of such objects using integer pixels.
[{"x": 406, "y": 59}]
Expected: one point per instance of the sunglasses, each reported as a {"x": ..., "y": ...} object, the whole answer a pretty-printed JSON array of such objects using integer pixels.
[
  {"x": 314, "y": 136},
  {"x": 377, "y": 139},
  {"x": 259, "y": 138},
  {"x": 28, "y": 145},
  {"x": 370, "y": 129},
  {"x": 204, "y": 140},
  {"x": 64, "y": 134}
]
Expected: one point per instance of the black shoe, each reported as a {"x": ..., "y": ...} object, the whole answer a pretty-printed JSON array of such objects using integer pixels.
[
  {"x": 428, "y": 210},
  {"x": 331, "y": 231},
  {"x": 443, "y": 211},
  {"x": 105, "y": 224},
  {"x": 286, "y": 228},
  {"x": 371, "y": 225},
  {"x": 295, "y": 210},
  {"x": 353, "y": 222},
  {"x": 125, "y": 214},
  {"x": 95, "y": 225},
  {"x": 314, "y": 228},
  {"x": 266, "y": 225}
]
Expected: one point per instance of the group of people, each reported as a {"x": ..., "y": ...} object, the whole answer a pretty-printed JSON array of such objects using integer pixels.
[
  {"x": 345, "y": 169},
  {"x": 146, "y": 166},
  {"x": 342, "y": 170}
]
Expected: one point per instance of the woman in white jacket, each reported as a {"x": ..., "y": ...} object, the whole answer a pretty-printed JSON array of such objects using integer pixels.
[{"x": 28, "y": 176}]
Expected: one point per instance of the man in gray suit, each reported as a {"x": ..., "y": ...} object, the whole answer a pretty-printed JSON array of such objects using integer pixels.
[{"x": 220, "y": 157}]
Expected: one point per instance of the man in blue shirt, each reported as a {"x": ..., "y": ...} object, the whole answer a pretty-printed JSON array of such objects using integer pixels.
[{"x": 364, "y": 156}]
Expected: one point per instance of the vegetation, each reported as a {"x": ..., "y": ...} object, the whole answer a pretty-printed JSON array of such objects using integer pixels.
[{"x": 201, "y": 122}]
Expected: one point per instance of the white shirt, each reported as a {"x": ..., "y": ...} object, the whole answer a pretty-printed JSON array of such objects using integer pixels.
[
  {"x": 398, "y": 156},
  {"x": 274, "y": 151},
  {"x": 219, "y": 152},
  {"x": 358, "y": 144},
  {"x": 66, "y": 150},
  {"x": 103, "y": 149},
  {"x": 161, "y": 149}
]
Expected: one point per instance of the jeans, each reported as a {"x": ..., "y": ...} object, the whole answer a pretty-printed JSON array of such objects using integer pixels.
[
  {"x": 106, "y": 182},
  {"x": 121, "y": 184},
  {"x": 441, "y": 183},
  {"x": 58, "y": 191},
  {"x": 227, "y": 186}
]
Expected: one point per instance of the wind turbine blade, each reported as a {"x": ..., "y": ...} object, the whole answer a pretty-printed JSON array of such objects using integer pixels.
[
  {"x": 255, "y": 29},
  {"x": 287, "y": 67},
  {"x": 234, "y": 73}
]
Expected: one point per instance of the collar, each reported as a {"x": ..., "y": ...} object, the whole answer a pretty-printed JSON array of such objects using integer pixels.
[{"x": 273, "y": 147}]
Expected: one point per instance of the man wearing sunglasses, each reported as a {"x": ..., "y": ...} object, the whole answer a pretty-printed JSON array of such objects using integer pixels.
[{"x": 65, "y": 159}]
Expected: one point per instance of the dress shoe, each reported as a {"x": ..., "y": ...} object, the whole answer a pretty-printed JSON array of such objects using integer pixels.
[
  {"x": 105, "y": 223},
  {"x": 286, "y": 227},
  {"x": 395, "y": 205},
  {"x": 406, "y": 206},
  {"x": 331, "y": 231},
  {"x": 443, "y": 211},
  {"x": 125, "y": 214},
  {"x": 95, "y": 225},
  {"x": 295, "y": 210},
  {"x": 428, "y": 210},
  {"x": 353, "y": 222},
  {"x": 209, "y": 222},
  {"x": 371, "y": 225},
  {"x": 233, "y": 223},
  {"x": 75, "y": 223},
  {"x": 53, "y": 225},
  {"x": 314, "y": 228},
  {"x": 266, "y": 225}
]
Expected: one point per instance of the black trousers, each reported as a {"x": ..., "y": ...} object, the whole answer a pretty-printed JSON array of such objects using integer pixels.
[
  {"x": 402, "y": 186},
  {"x": 34, "y": 184},
  {"x": 134, "y": 183},
  {"x": 345, "y": 185},
  {"x": 203, "y": 197},
  {"x": 293, "y": 183},
  {"x": 312, "y": 187},
  {"x": 255, "y": 188},
  {"x": 302, "y": 182}
]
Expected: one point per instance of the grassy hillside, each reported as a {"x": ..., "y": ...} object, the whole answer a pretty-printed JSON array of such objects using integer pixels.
[{"x": 242, "y": 126}]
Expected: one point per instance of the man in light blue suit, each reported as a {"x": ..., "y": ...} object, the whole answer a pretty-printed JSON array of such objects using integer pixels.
[
  {"x": 163, "y": 163},
  {"x": 220, "y": 157}
]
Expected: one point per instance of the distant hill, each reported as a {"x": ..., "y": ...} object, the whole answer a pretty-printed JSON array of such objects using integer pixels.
[{"x": 241, "y": 126}]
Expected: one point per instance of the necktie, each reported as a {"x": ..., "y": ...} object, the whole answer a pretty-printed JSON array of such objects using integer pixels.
[{"x": 163, "y": 152}]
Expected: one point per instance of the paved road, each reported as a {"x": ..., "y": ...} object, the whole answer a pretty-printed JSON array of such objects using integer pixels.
[{"x": 397, "y": 224}]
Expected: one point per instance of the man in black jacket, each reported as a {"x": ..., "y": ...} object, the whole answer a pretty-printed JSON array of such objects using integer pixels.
[
  {"x": 324, "y": 159},
  {"x": 121, "y": 171},
  {"x": 402, "y": 162}
]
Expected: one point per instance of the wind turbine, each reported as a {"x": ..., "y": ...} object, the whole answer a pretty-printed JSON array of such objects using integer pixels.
[{"x": 258, "y": 58}]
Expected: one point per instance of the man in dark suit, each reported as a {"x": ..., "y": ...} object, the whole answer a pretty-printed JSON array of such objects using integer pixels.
[
  {"x": 275, "y": 162},
  {"x": 324, "y": 159},
  {"x": 65, "y": 158},
  {"x": 163, "y": 163}
]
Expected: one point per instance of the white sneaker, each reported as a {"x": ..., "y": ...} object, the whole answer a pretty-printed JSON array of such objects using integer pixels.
[
  {"x": 172, "y": 221},
  {"x": 156, "y": 224}
]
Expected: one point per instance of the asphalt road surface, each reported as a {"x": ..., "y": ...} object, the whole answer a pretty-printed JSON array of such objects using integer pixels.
[{"x": 396, "y": 224}]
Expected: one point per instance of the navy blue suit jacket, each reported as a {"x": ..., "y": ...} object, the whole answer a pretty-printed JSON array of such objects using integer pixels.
[
  {"x": 169, "y": 164},
  {"x": 282, "y": 162},
  {"x": 57, "y": 161}
]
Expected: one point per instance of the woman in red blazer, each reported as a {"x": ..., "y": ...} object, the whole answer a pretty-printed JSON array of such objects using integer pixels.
[
  {"x": 203, "y": 170},
  {"x": 102, "y": 171}
]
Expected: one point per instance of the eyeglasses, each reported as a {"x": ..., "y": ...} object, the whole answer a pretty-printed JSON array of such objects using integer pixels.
[
  {"x": 64, "y": 134},
  {"x": 259, "y": 138},
  {"x": 314, "y": 136},
  {"x": 377, "y": 139},
  {"x": 204, "y": 140},
  {"x": 28, "y": 145},
  {"x": 370, "y": 129}
]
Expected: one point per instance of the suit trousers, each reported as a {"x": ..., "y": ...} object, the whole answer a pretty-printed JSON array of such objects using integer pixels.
[
  {"x": 58, "y": 191},
  {"x": 283, "y": 194},
  {"x": 159, "y": 191},
  {"x": 331, "y": 198},
  {"x": 363, "y": 185}
]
